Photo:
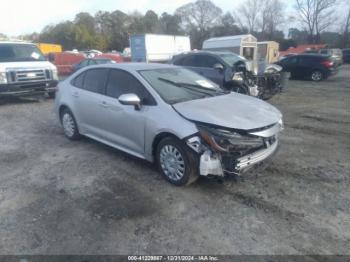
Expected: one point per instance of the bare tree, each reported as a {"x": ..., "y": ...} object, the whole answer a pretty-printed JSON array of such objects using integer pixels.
[
  {"x": 247, "y": 15},
  {"x": 270, "y": 18},
  {"x": 198, "y": 18},
  {"x": 346, "y": 27},
  {"x": 316, "y": 16}
]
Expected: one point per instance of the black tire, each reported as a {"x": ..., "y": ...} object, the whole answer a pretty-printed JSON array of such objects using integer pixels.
[
  {"x": 190, "y": 159},
  {"x": 73, "y": 134},
  {"x": 51, "y": 95},
  {"x": 316, "y": 76}
]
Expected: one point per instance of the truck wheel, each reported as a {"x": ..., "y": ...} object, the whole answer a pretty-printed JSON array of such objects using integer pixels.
[
  {"x": 316, "y": 76},
  {"x": 70, "y": 127},
  {"x": 178, "y": 164}
]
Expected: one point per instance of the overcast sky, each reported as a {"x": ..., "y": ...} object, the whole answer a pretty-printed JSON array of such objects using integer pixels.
[{"x": 26, "y": 16}]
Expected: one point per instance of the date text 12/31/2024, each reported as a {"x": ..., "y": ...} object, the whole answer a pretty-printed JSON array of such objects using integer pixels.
[{"x": 173, "y": 258}]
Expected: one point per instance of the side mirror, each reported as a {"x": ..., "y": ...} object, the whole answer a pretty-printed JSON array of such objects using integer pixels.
[
  {"x": 130, "y": 100},
  {"x": 219, "y": 67}
]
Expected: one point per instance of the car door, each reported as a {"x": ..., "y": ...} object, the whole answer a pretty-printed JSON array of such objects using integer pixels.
[
  {"x": 290, "y": 64},
  {"x": 126, "y": 125},
  {"x": 89, "y": 103},
  {"x": 204, "y": 65}
]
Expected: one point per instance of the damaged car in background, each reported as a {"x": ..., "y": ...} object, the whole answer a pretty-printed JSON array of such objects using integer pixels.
[
  {"x": 171, "y": 116},
  {"x": 235, "y": 73}
]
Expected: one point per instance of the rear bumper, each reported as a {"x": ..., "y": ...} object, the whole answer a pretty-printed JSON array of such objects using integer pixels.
[{"x": 27, "y": 89}]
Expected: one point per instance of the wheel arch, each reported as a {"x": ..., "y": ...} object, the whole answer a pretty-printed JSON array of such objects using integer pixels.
[
  {"x": 159, "y": 137},
  {"x": 61, "y": 109}
]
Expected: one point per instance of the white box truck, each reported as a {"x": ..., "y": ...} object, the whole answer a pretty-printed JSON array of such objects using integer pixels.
[
  {"x": 157, "y": 48},
  {"x": 243, "y": 45}
]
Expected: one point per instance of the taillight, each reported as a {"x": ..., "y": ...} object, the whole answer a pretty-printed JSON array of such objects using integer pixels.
[{"x": 327, "y": 63}]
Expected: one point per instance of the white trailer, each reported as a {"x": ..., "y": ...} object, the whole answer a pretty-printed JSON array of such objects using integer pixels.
[
  {"x": 157, "y": 48},
  {"x": 243, "y": 45}
]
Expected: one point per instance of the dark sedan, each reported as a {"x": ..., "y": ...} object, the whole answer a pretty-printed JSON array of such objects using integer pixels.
[
  {"x": 233, "y": 72},
  {"x": 92, "y": 61},
  {"x": 310, "y": 66}
]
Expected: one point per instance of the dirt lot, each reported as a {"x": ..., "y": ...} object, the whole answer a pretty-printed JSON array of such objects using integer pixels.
[{"x": 62, "y": 197}]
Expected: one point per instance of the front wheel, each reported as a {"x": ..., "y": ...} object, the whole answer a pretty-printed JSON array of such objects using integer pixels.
[
  {"x": 316, "y": 76},
  {"x": 177, "y": 163}
]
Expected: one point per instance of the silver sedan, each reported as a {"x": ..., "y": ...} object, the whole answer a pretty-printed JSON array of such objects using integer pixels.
[{"x": 169, "y": 115}]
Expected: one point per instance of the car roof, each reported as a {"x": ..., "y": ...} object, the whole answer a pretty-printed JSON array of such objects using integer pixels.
[
  {"x": 136, "y": 66},
  {"x": 312, "y": 55},
  {"x": 206, "y": 52},
  {"x": 16, "y": 43},
  {"x": 100, "y": 58}
]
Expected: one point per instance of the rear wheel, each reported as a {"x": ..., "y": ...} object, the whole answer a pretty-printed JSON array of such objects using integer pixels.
[
  {"x": 177, "y": 163},
  {"x": 316, "y": 75},
  {"x": 69, "y": 125}
]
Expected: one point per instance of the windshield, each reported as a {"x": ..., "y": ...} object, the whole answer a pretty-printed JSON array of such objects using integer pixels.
[
  {"x": 20, "y": 52},
  {"x": 177, "y": 85},
  {"x": 230, "y": 59}
]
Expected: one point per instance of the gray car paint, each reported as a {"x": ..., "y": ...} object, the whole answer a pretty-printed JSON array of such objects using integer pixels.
[
  {"x": 132, "y": 131},
  {"x": 234, "y": 111}
]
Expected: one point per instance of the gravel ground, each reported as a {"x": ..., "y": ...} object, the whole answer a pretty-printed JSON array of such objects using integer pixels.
[{"x": 63, "y": 197}]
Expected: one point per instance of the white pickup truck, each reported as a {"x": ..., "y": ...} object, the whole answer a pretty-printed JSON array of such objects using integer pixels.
[{"x": 24, "y": 71}]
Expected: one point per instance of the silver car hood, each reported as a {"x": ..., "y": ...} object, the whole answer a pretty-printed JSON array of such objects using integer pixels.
[{"x": 234, "y": 111}]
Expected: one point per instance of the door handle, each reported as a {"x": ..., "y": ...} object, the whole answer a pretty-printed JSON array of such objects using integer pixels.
[
  {"x": 75, "y": 94},
  {"x": 104, "y": 104}
]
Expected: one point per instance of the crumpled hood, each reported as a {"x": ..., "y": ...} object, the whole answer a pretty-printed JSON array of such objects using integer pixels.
[
  {"x": 28, "y": 65},
  {"x": 234, "y": 111}
]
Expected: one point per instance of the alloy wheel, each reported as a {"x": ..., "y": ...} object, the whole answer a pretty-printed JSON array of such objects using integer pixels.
[
  {"x": 172, "y": 162},
  {"x": 68, "y": 125},
  {"x": 316, "y": 76}
]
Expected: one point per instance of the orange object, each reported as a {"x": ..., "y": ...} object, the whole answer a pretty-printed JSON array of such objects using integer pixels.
[
  {"x": 49, "y": 48},
  {"x": 65, "y": 61}
]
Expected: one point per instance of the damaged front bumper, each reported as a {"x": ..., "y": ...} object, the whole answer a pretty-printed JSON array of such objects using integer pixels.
[{"x": 214, "y": 162}]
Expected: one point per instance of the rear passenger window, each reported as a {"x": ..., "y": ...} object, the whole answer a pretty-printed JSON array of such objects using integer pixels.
[
  {"x": 84, "y": 63},
  {"x": 179, "y": 61},
  {"x": 293, "y": 60},
  {"x": 188, "y": 61},
  {"x": 206, "y": 61},
  {"x": 121, "y": 82},
  {"x": 95, "y": 80},
  {"x": 79, "y": 81}
]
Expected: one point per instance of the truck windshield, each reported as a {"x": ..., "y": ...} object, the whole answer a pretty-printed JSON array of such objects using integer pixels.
[
  {"x": 19, "y": 53},
  {"x": 177, "y": 85}
]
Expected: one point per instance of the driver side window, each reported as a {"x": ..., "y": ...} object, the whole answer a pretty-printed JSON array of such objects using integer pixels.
[{"x": 121, "y": 83}]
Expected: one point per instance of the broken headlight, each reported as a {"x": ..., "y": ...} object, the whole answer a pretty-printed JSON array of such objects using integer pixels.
[
  {"x": 228, "y": 141},
  {"x": 238, "y": 77}
]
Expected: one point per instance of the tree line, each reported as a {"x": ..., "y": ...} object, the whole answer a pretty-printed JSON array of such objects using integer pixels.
[{"x": 265, "y": 19}]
